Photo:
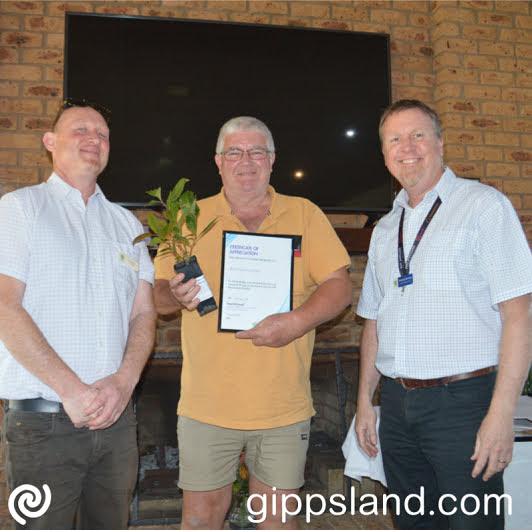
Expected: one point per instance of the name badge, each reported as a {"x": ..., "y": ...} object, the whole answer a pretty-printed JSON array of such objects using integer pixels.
[
  {"x": 405, "y": 280},
  {"x": 129, "y": 262}
]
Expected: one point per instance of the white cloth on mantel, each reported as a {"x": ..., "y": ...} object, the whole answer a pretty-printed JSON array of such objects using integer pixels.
[{"x": 358, "y": 464}]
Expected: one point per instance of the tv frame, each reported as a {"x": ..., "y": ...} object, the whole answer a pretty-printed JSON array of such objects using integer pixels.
[{"x": 372, "y": 213}]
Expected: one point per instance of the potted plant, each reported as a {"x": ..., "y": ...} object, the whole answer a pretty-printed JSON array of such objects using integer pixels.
[
  {"x": 239, "y": 515},
  {"x": 177, "y": 233}
]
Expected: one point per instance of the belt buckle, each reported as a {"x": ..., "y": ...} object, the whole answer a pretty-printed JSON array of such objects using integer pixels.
[{"x": 401, "y": 379}]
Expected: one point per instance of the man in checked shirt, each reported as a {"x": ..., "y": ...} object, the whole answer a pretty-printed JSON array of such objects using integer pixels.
[{"x": 446, "y": 299}]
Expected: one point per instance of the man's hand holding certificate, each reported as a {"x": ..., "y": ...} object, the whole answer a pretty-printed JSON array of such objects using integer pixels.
[{"x": 256, "y": 281}]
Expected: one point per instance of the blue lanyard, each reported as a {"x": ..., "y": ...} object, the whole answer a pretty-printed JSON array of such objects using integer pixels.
[{"x": 404, "y": 268}]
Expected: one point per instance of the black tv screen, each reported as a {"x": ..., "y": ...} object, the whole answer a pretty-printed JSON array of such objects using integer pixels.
[{"x": 171, "y": 84}]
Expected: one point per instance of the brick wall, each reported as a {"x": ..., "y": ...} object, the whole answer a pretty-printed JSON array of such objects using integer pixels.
[{"x": 470, "y": 60}]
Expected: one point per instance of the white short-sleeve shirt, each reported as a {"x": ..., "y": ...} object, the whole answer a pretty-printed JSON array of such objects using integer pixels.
[
  {"x": 472, "y": 256},
  {"x": 81, "y": 272}
]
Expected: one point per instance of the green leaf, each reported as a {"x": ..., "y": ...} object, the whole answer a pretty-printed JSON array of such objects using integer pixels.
[
  {"x": 142, "y": 236},
  {"x": 208, "y": 227},
  {"x": 174, "y": 195},
  {"x": 155, "y": 193},
  {"x": 156, "y": 224}
]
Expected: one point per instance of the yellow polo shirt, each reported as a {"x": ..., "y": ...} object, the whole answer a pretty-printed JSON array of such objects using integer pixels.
[{"x": 230, "y": 382}]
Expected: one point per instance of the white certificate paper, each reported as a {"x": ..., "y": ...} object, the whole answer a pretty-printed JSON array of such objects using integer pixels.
[{"x": 256, "y": 282}]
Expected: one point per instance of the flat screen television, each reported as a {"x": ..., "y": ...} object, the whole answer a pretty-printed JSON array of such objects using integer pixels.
[{"x": 171, "y": 84}]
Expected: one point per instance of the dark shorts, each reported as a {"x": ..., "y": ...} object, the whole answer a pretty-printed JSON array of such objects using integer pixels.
[{"x": 92, "y": 473}]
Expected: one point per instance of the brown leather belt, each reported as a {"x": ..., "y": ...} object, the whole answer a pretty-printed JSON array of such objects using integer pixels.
[{"x": 409, "y": 384}]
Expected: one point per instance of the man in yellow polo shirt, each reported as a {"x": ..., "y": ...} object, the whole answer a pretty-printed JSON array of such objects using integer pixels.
[{"x": 250, "y": 390}]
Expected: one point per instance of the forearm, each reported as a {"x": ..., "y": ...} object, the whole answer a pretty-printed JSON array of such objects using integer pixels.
[
  {"x": 29, "y": 347},
  {"x": 329, "y": 299},
  {"x": 369, "y": 376},
  {"x": 515, "y": 355},
  {"x": 139, "y": 346}
]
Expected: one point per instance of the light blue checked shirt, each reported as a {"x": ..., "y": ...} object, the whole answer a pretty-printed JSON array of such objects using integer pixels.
[
  {"x": 473, "y": 255},
  {"x": 81, "y": 272}
]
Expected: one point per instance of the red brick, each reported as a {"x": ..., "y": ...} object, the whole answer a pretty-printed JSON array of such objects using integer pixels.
[
  {"x": 480, "y": 62},
  {"x": 502, "y": 170},
  {"x": 518, "y": 125},
  {"x": 60, "y": 8},
  {"x": 445, "y": 29},
  {"x": 19, "y": 141},
  {"x": 517, "y": 94},
  {"x": 518, "y": 156},
  {"x": 514, "y": 7},
  {"x": 37, "y": 124},
  {"x": 496, "y": 48},
  {"x": 523, "y": 22},
  {"x": 21, "y": 39},
  {"x": 350, "y": 14},
  {"x": 494, "y": 19},
  {"x": 523, "y": 80},
  {"x": 20, "y": 106},
  {"x": 515, "y": 35},
  {"x": 468, "y": 169},
  {"x": 498, "y": 108},
  {"x": 456, "y": 75},
  {"x": 483, "y": 123},
  {"x": 331, "y": 24},
  {"x": 524, "y": 51},
  {"x": 485, "y": 153},
  {"x": 498, "y": 138},
  {"x": 448, "y": 90},
  {"x": 23, "y": 7},
  {"x": 463, "y": 137},
  {"x": 48, "y": 90},
  {"x": 55, "y": 24},
  {"x": 9, "y": 88},
  {"x": 55, "y": 40},
  {"x": 44, "y": 56},
  {"x": 8, "y": 55},
  {"x": 418, "y": 64},
  {"x": 208, "y": 15},
  {"x": 482, "y": 92},
  {"x": 250, "y": 18},
  {"x": 281, "y": 20},
  {"x": 479, "y": 32},
  {"x": 8, "y": 22},
  {"x": 279, "y": 8},
  {"x": 309, "y": 9},
  {"x": 19, "y": 176},
  {"x": 7, "y": 123},
  {"x": 36, "y": 159},
  {"x": 410, "y": 34},
  {"x": 117, "y": 9},
  {"x": 8, "y": 158}
]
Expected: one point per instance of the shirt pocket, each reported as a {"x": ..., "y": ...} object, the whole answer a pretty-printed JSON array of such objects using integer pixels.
[{"x": 124, "y": 264}]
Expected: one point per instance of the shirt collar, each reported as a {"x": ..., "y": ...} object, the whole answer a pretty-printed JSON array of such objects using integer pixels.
[
  {"x": 443, "y": 189},
  {"x": 277, "y": 203},
  {"x": 62, "y": 189}
]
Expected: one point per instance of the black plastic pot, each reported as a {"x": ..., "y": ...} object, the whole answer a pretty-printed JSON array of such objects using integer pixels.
[{"x": 193, "y": 270}]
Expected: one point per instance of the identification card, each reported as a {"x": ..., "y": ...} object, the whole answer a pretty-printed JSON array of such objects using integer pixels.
[
  {"x": 128, "y": 262},
  {"x": 405, "y": 280}
]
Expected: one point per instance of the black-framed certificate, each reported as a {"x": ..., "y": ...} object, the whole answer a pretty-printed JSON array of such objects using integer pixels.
[{"x": 256, "y": 280}]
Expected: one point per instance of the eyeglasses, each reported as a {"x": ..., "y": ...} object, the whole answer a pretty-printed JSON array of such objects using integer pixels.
[
  {"x": 81, "y": 102},
  {"x": 235, "y": 154}
]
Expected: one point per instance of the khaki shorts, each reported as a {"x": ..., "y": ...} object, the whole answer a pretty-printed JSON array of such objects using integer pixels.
[{"x": 208, "y": 455}]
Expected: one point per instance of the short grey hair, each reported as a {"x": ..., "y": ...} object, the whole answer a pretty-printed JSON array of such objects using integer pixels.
[
  {"x": 407, "y": 104},
  {"x": 244, "y": 123}
]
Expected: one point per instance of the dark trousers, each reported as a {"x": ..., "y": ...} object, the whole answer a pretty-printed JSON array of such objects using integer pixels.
[
  {"x": 92, "y": 473},
  {"x": 427, "y": 438}
]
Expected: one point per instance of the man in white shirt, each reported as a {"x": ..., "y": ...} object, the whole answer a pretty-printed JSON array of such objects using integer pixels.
[
  {"x": 77, "y": 323},
  {"x": 446, "y": 299}
]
